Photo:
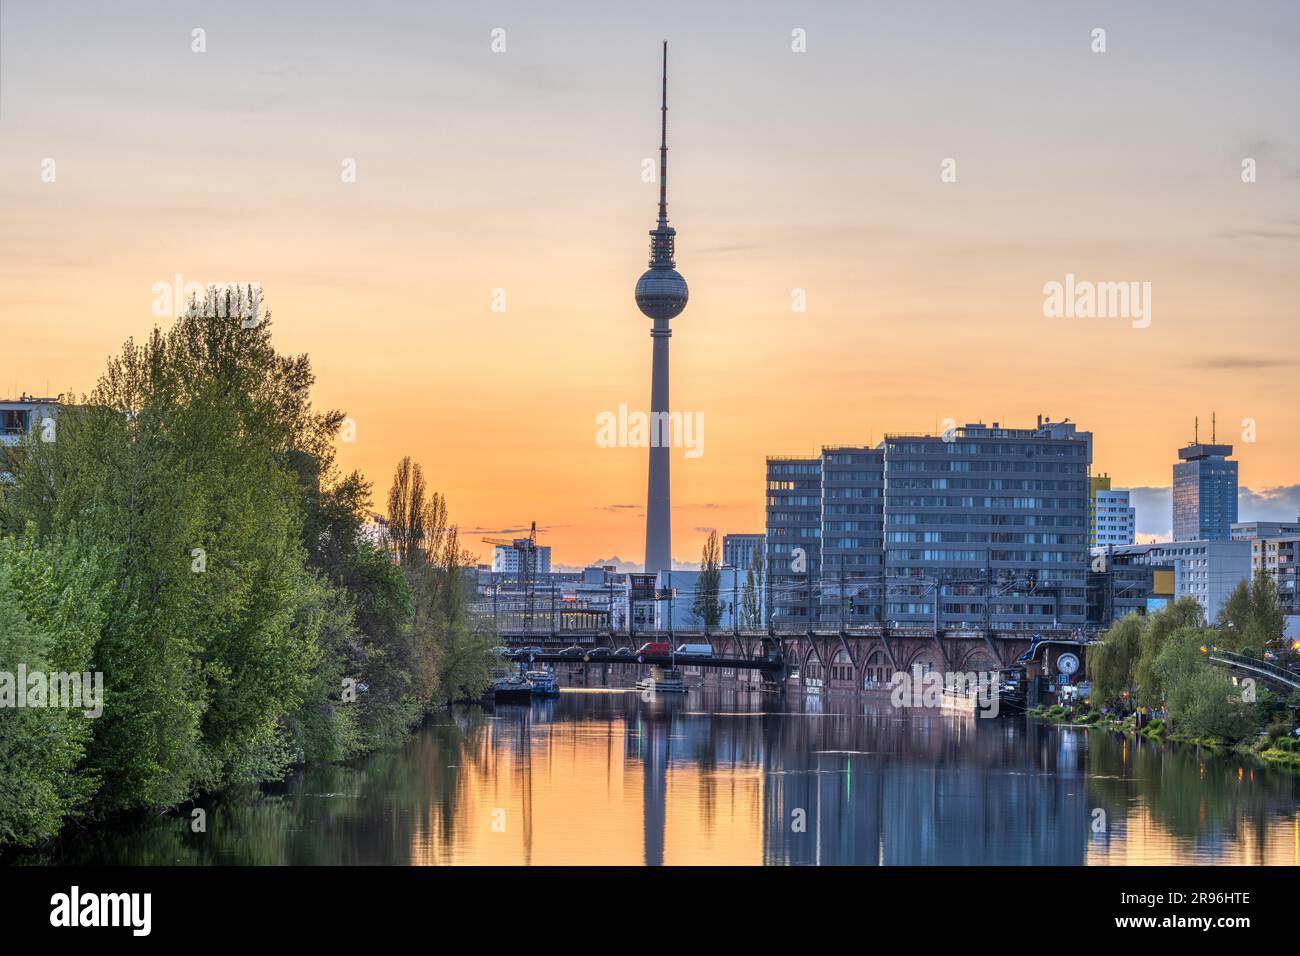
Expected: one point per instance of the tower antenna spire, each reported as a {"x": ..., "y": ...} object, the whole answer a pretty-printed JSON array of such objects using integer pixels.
[{"x": 663, "y": 146}]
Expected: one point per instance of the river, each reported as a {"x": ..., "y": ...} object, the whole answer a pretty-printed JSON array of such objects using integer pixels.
[{"x": 735, "y": 777}]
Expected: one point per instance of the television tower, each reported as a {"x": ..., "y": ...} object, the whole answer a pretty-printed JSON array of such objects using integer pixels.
[{"x": 661, "y": 295}]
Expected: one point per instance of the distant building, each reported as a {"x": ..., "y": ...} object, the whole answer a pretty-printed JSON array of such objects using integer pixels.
[
  {"x": 738, "y": 550},
  {"x": 676, "y": 590},
  {"x": 1096, "y": 483},
  {"x": 1280, "y": 558},
  {"x": 21, "y": 418},
  {"x": 1114, "y": 519},
  {"x": 1123, "y": 582},
  {"x": 1205, "y": 570},
  {"x": 506, "y": 558},
  {"x": 1249, "y": 530},
  {"x": 1205, "y": 493}
]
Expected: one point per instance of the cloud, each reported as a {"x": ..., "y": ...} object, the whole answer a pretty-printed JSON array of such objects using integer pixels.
[
  {"x": 1155, "y": 507},
  {"x": 1280, "y": 503},
  {"x": 1233, "y": 362}
]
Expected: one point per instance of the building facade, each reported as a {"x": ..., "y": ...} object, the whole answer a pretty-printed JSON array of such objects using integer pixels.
[
  {"x": 982, "y": 525},
  {"x": 738, "y": 550},
  {"x": 1248, "y": 530},
  {"x": 506, "y": 559},
  {"x": 21, "y": 419},
  {"x": 989, "y": 522},
  {"x": 793, "y": 539},
  {"x": 1279, "y": 558},
  {"x": 1205, "y": 493},
  {"x": 1114, "y": 518},
  {"x": 1205, "y": 570},
  {"x": 1120, "y": 583},
  {"x": 852, "y": 534}
]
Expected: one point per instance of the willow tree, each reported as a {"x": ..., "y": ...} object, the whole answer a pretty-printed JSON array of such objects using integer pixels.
[{"x": 1111, "y": 663}]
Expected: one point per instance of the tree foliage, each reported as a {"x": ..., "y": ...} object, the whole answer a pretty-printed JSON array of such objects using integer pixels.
[
  {"x": 707, "y": 607},
  {"x": 188, "y": 535}
]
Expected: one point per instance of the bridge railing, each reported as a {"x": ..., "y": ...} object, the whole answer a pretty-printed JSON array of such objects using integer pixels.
[{"x": 1288, "y": 677}]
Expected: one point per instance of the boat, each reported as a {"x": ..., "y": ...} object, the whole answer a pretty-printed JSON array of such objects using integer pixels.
[
  {"x": 1011, "y": 692},
  {"x": 512, "y": 688},
  {"x": 543, "y": 684},
  {"x": 669, "y": 683}
]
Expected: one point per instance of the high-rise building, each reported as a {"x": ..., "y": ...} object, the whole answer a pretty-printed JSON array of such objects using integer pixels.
[
  {"x": 506, "y": 558},
  {"x": 738, "y": 550},
  {"x": 1114, "y": 519},
  {"x": 1096, "y": 483},
  {"x": 793, "y": 539},
  {"x": 1205, "y": 492},
  {"x": 991, "y": 520},
  {"x": 994, "y": 519},
  {"x": 852, "y": 529},
  {"x": 661, "y": 295}
]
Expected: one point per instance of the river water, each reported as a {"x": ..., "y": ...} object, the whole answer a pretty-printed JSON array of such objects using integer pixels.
[{"x": 737, "y": 777}]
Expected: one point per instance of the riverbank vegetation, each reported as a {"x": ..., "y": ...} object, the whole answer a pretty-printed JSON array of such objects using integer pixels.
[
  {"x": 188, "y": 534},
  {"x": 1153, "y": 674}
]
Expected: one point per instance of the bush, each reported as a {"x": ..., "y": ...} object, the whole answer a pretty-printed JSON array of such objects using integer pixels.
[{"x": 1278, "y": 728}]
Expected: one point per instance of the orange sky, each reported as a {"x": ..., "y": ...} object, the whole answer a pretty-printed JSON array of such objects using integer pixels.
[{"x": 522, "y": 171}]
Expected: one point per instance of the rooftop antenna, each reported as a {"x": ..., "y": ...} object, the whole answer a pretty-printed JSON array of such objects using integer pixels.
[
  {"x": 1213, "y": 428},
  {"x": 1196, "y": 430},
  {"x": 663, "y": 146}
]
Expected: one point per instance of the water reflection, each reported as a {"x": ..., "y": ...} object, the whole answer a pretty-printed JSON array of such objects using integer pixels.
[{"x": 737, "y": 778}]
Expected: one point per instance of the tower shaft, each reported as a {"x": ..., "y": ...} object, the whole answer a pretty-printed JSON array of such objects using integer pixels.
[{"x": 658, "y": 521}]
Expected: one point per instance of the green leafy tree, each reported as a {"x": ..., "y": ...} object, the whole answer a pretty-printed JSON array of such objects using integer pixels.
[
  {"x": 1157, "y": 630},
  {"x": 1111, "y": 663},
  {"x": 707, "y": 607},
  {"x": 51, "y": 611},
  {"x": 1202, "y": 702},
  {"x": 181, "y": 467}
]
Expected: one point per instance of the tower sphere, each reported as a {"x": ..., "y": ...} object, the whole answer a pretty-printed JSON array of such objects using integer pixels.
[{"x": 661, "y": 293}]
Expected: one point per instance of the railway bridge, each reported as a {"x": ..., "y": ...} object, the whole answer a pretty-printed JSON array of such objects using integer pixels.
[{"x": 852, "y": 658}]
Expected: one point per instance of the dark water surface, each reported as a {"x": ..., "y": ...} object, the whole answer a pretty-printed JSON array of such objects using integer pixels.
[{"x": 720, "y": 777}]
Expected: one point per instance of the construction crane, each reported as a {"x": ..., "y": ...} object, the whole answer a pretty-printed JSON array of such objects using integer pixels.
[{"x": 526, "y": 548}]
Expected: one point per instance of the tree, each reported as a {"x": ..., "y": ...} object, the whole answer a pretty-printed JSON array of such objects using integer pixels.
[
  {"x": 51, "y": 607},
  {"x": 707, "y": 608},
  {"x": 752, "y": 600},
  {"x": 1202, "y": 702},
  {"x": 1252, "y": 617},
  {"x": 1157, "y": 630},
  {"x": 448, "y": 645},
  {"x": 1111, "y": 663}
]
